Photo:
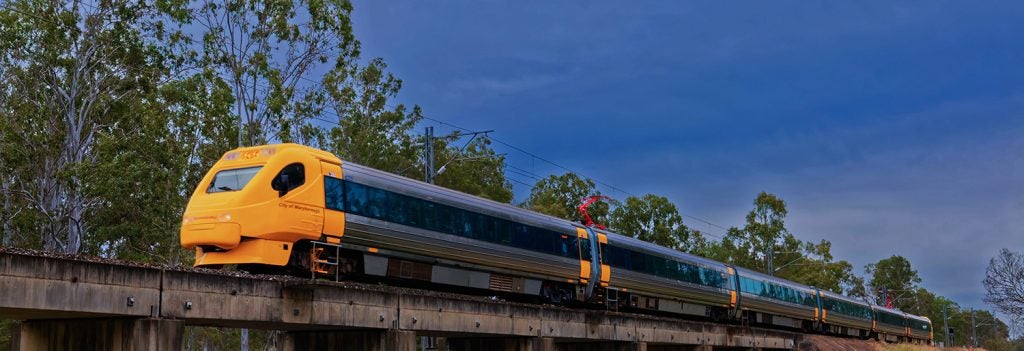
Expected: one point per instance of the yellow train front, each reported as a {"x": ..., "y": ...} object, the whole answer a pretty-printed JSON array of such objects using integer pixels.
[{"x": 256, "y": 203}]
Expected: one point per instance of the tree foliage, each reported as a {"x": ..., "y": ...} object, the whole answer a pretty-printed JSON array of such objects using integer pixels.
[
  {"x": 561, "y": 195},
  {"x": 895, "y": 277},
  {"x": 763, "y": 234},
  {"x": 474, "y": 168},
  {"x": 368, "y": 132},
  {"x": 75, "y": 70},
  {"x": 654, "y": 219},
  {"x": 266, "y": 52}
]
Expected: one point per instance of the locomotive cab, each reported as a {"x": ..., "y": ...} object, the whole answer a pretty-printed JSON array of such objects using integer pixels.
[{"x": 256, "y": 202}]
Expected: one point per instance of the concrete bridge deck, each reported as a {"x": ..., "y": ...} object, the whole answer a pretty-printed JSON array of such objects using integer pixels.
[{"x": 70, "y": 303}]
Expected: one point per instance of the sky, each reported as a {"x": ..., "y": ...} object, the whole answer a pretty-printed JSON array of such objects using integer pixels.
[{"x": 887, "y": 127}]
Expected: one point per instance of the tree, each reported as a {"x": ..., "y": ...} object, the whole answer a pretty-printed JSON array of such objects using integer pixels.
[
  {"x": 654, "y": 219},
  {"x": 855, "y": 287},
  {"x": 368, "y": 132},
  {"x": 474, "y": 169},
  {"x": 818, "y": 268},
  {"x": 764, "y": 238},
  {"x": 266, "y": 50},
  {"x": 560, "y": 196},
  {"x": 894, "y": 276},
  {"x": 177, "y": 136},
  {"x": 1004, "y": 283},
  {"x": 72, "y": 68}
]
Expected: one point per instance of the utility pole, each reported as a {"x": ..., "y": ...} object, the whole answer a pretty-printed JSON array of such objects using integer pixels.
[
  {"x": 428, "y": 155},
  {"x": 945, "y": 326},
  {"x": 974, "y": 333},
  {"x": 771, "y": 255},
  {"x": 429, "y": 171}
]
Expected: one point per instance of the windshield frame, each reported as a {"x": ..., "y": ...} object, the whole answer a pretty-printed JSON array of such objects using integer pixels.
[{"x": 235, "y": 172}]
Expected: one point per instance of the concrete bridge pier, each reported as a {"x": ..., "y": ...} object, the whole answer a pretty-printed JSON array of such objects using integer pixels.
[
  {"x": 370, "y": 340},
  {"x": 115, "y": 334}
]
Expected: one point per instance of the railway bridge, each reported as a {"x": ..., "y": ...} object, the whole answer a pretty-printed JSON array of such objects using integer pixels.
[{"x": 68, "y": 303}]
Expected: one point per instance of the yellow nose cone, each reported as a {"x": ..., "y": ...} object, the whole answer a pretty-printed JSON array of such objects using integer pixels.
[{"x": 224, "y": 235}]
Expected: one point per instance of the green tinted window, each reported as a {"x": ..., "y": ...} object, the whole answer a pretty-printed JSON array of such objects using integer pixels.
[
  {"x": 334, "y": 196},
  {"x": 890, "y": 319},
  {"x": 776, "y": 292},
  {"x": 663, "y": 267}
]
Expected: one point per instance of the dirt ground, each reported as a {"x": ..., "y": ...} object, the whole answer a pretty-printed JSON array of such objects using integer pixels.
[{"x": 824, "y": 343}]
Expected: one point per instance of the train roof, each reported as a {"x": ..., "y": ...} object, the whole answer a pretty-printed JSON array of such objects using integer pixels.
[
  {"x": 920, "y": 318},
  {"x": 634, "y": 243},
  {"x": 744, "y": 272},
  {"x": 845, "y": 298},
  {"x": 886, "y": 309}
]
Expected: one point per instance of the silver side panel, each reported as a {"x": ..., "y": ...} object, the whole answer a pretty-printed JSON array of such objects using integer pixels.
[
  {"x": 834, "y": 318},
  {"x": 775, "y": 307},
  {"x": 375, "y": 265},
  {"x": 674, "y": 306},
  {"x": 460, "y": 277},
  {"x": 531, "y": 286},
  {"x": 894, "y": 330},
  {"x": 661, "y": 287}
]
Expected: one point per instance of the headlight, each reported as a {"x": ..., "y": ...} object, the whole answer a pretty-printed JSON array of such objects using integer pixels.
[{"x": 224, "y": 217}]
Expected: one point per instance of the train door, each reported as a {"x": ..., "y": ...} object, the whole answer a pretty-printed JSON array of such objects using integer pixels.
[
  {"x": 300, "y": 193},
  {"x": 606, "y": 271},
  {"x": 820, "y": 308},
  {"x": 734, "y": 292},
  {"x": 586, "y": 269},
  {"x": 334, "y": 202},
  {"x": 592, "y": 271}
]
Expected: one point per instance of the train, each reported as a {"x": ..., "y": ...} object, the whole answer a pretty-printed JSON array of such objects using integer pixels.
[{"x": 296, "y": 209}]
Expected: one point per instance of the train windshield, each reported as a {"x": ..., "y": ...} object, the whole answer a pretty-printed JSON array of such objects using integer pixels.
[{"x": 232, "y": 179}]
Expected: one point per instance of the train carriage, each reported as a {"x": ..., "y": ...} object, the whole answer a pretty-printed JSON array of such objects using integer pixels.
[
  {"x": 648, "y": 276},
  {"x": 842, "y": 315},
  {"x": 765, "y": 299},
  {"x": 454, "y": 238},
  {"x": 919, "y": 328},
  {"x": 889, "y": 324}
]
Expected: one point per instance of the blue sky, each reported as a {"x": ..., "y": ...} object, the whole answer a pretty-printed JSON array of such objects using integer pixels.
[{"x": 888, "y": 127}]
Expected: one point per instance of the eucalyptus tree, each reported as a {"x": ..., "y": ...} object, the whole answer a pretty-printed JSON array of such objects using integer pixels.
[
  {"x": 71, "y": 69},
  {"x": 269, "y": 52},
  {"x": 471, "y": 166},
  {"x": 367, "y": 131},
  {"x": 654, "y": 219},
  {"x": 560, "y": 196},
  {"x": 892, "y": 278}
]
